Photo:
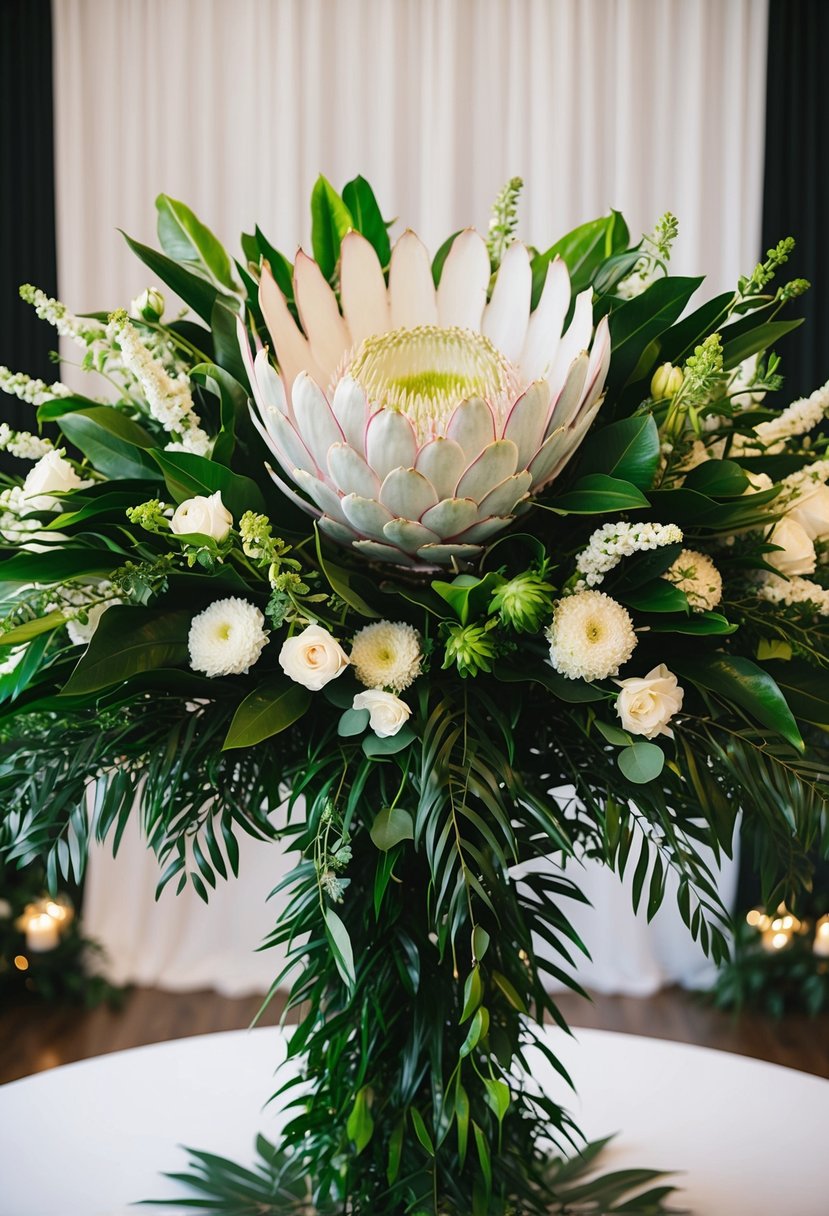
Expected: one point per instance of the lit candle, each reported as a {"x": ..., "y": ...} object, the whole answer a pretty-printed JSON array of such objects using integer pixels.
[
  {"x": 42, "y": 934},
  {"x": 821, "y": 944}
]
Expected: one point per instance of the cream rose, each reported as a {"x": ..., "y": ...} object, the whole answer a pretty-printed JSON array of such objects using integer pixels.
[
  {"x": 313, "y": 658},
  {"x": 811, "y": 511},
  {"x": 52, "y": 474},
  {"x": 209, "y": 516},
  {"x": 646, "y": 704},
  {"x": 387, "y": 714},
  {"x": 796, "y": 555}
]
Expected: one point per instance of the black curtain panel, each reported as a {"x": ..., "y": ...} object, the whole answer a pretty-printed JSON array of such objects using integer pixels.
[
  {"x": 27, "y": 195},
  {"x": 796, "y": 186}
]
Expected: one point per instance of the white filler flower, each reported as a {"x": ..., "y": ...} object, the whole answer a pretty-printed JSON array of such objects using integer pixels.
[
  {"x": 387, "y": 714},
  {"x": 313, "y": 658},
  {"x": 646, "y": 704},
  {"x": 227, "y": 638},
  {"x": 696, "y": 575},
  {"x": 591, "y": 636},
  {"x": 208, "y": 516},
  {"x": 386, "y": 655}
]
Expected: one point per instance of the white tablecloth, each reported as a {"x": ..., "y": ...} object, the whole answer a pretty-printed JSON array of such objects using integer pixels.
[
  {"x": 181, "y": 944},
  {"x": 88, "y": 1139}
]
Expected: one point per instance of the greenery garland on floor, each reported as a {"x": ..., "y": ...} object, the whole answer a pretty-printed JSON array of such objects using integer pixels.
[{"x": 488, "y": 563}]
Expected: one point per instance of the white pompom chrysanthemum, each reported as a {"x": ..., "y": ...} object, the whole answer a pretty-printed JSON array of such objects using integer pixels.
[
  {"x": 387, "y": 655},
  {"x": 696, "y": 575},
  {"x": 591, "y": 636},
  {"x": 227, "y": 638}
]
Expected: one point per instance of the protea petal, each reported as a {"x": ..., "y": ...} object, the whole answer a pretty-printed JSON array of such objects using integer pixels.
[
  {"x": 290, "y": 493},
  {"x": 327, "y": 499},
  {"x": 293, "y": 354},
  {"x": 506, "y": 315},
  {"x": 411, "y": 288},
  {"x": 390, "y": 442},
  {"x": 407, "y": 493},
  {"x": 287, "y": 445},
  {"x": 503, "y": 499},
  {"x": 464, "y": 282},
  {"x": 380, "y": 552},
  {"x": 409, "y": 535},
  {"x": 494, "y": 464},
  {"x": 451, "y": 515},
  {"x": 472, "y": 427},
  {"x": 351, "y": 410},
  {"x": 367, "y": 515},
  {"x": 575, "y": 340},
  {"x": 546, "y": 323},
  {"x": 442, "y": 555},
  {"x": 482, "y": 531},
  {"x": 350, "y": 473},
  {"x": 320, "y": 316},
  {"x": 343, "y": 534},
  {"x": 314, "y": 419},
  {"x": 526, "y": 421},
  {"x": 442, "y": 461},
  {"x": 363, "y": 289},
  {"x": 570, "y": 398},
  {"x": 269, "y": 383},
  {"x": 546, "y": 457}
]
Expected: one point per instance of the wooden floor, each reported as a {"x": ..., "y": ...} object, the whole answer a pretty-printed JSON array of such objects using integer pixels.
[{"x": 34, "y": 1038}]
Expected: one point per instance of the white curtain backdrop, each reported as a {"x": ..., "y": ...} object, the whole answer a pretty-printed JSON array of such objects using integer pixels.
[{"x": 235, "y": 105}]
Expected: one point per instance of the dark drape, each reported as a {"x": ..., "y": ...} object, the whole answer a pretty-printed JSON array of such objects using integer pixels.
[
  {"x": 27, "y": 194},
  {"x": 796, "y": 185}
]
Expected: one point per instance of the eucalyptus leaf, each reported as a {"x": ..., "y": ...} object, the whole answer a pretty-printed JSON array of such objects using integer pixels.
[
  {"x": 391, "y": 826},
  {"x": 641, "y": 762}
]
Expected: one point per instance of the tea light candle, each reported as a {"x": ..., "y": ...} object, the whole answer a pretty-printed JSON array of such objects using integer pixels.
[
  {"x": 821, "y": 943},
  {"x": 42, "y": 934}
]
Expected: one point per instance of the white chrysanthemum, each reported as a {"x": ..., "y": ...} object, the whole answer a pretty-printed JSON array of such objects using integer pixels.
[
  {"x": 591, "y": 636},
  {"x": 386, "y": 654},
  {"x": 227, "y": 638},
  {"x": 696, "y": 575}
]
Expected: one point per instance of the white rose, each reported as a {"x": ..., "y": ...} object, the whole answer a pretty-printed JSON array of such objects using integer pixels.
[
  {"x": 149, "y": 306},
  {"x": 811, "y": 511},
  {"x": 52, "y": 474},
  {"x": 646, "y": 704},
  {"x": 209, "y": 516},
  {"x": 313, "y": 658},
  {"x": 387, "y": 714},
  {"x": 796, "y": 554},
  {"x": 80, "y": 634},
  {"x": 757, "y": 482}
]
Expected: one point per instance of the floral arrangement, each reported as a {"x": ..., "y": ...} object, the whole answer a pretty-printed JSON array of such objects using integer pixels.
[{"x": 487, "y": 563}]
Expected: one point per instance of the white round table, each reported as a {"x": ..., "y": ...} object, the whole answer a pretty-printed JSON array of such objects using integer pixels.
[{"x": 746, "y": 1138}]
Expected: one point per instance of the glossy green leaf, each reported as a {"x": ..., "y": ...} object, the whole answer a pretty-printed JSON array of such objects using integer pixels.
[
  {"x": 480, "y": 943},
  {"x": 597, "y": 494},
  {"x": 273, "y": 706},
  {"x": 226, "y": 353},
  {"x": 440, "y": 257},
  {"x": 473, "y": 993},
  {"x": 573, "y": 691},
  {"x": 700, "y": 624},
  {"x": 341, "y": 947},
  {"x": 233, "y": 400},
  {"x": 281, "y": 268},
  {"x": 186, "y": 239},
  {"x": 478, "y": 1030},
  {"x": 583, "y": 251},
  {"x": 193, "y": 289},
  {"x": 628, "y": 449},
  {"x": 359, "y": 198},
  {"x": 462, "y": 1121},
  {"x": 641, "y": 762},
  {"x": 391, "y": 826},
  {"x": 613, "y": 734},
  {"x": 635, "y": 324},
  {"x": 395, "y": 1151},
  {"x": 743, "y": 683},
  {"x": 127, "y": 642},
  {"x": 467, "y": 595},
  {"x": 330, "y": 221},
  {"x": 343, "y": 582},
  {"x": 805, "y": 688},
  {"x": 660, "y": 595},
  {"x": 32, "y": 629},
  {"x": 717, "y": 479},
  {"x": 187, "y": 475},
  {"x": 114, "y": 444},
  {"x": 62, "y": 564},
  {"x": 760, "y": 338},
  {"x": 498, "y": 1097},
  {"x": 677, "y": 343},
  {"x": 510, "y": 991},
  {"x": 421, "y": 1131}
]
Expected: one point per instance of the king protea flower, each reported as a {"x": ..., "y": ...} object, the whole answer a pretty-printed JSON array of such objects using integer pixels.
[{"x": 418, "y": 421}]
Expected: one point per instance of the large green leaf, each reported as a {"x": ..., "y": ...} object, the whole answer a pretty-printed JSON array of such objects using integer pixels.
[
  {"x": 572, "y": 691},
  {"x": 759, "y": 338},
  {"x": 358, "y": 197},
  {"x": 596, "y": 494},
  {"x": 628, "y": 449},
  {"x": 58, "y": 565},
  {"x": 718, "y": 479},
  {"x": 114, "y": 444},
  {"x": 186, "y": 239},
  {"x": 743, "y": 683},
  {"x": 330, "y": 221},
  {"x": 129, "y": 641},
  {"x": 55, "y": 407},
  {"x": 701, "y": 624},
  {"x": 187, "y": 475},
  {"x": 233, "y": 400},
  {"x": 583, "y": 251},
  {"x": 467, "y": 595},
  {"x": 193, "y": 289},
  {"x": 32, "y": 629},
  {"x": 806, "y": 689},
  {"x": 281, "y": 268},
  {"x": 272, "y": 707},
  {"x": 677, "y": 343},
  {"x": 635, "y": 324},
  {"x": 343, "y": 583},
  {"x": 656, "y": 596},
  {"x": 223, "y": 323}
]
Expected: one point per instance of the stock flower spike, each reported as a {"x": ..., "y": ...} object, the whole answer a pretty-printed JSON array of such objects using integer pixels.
[{"x": 418, "y": 421}]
